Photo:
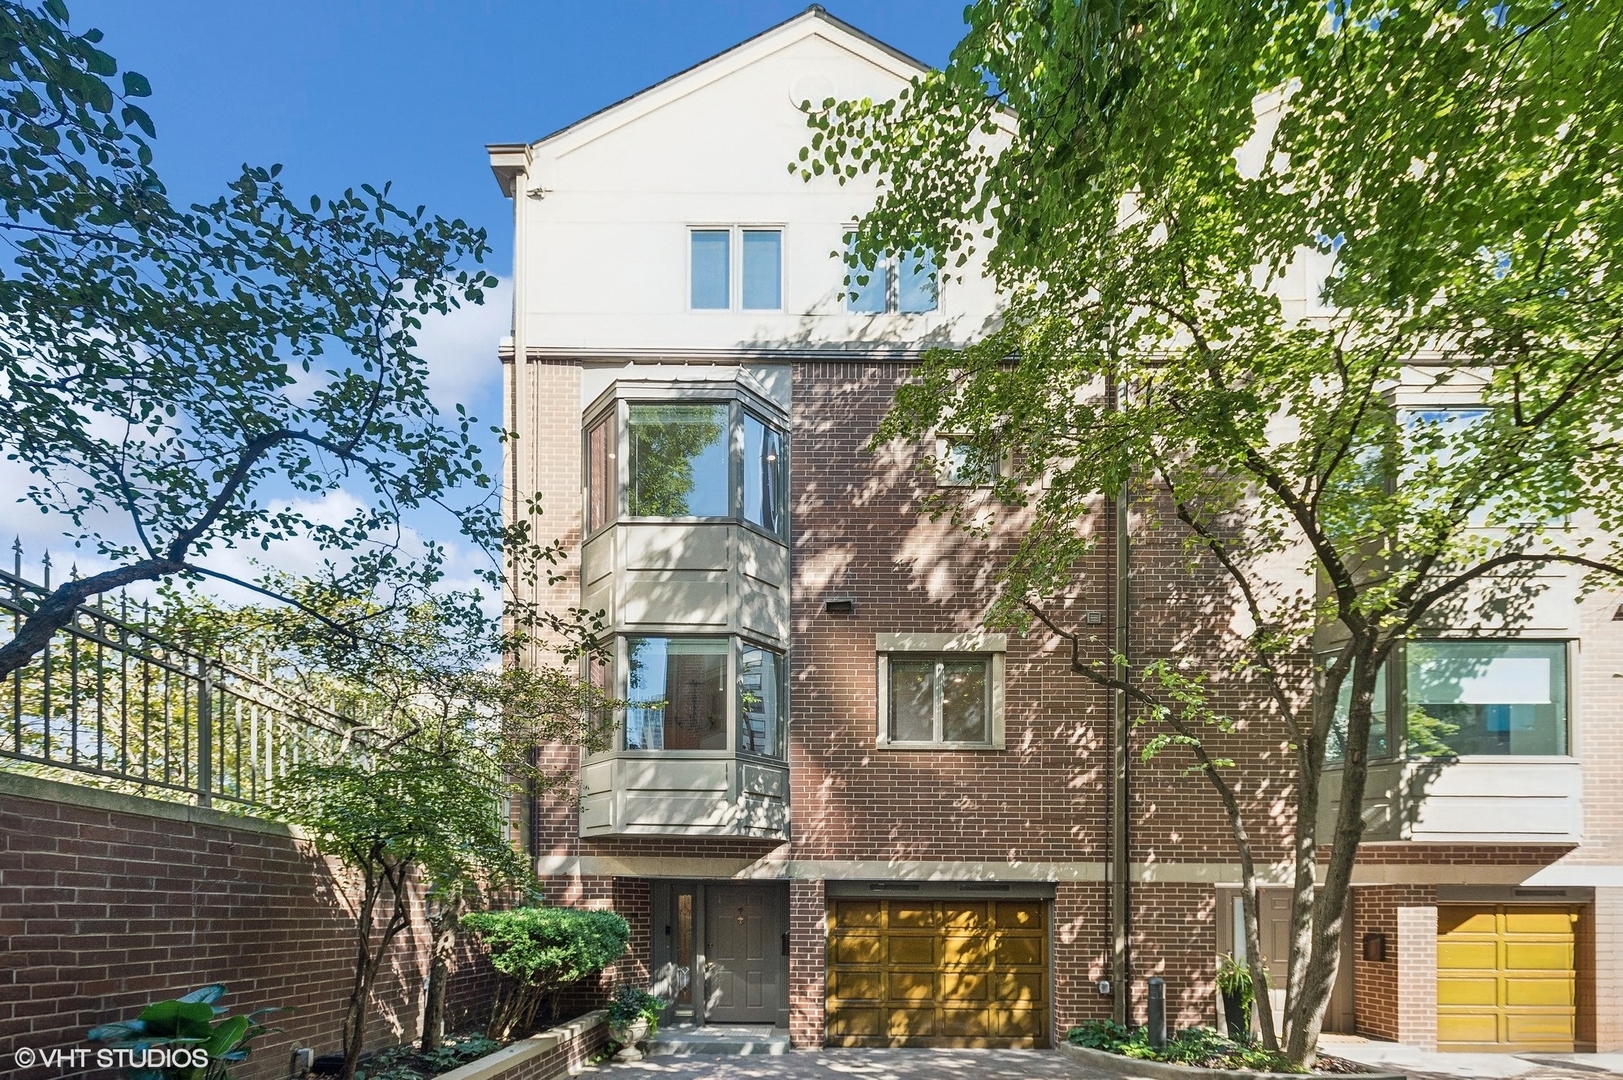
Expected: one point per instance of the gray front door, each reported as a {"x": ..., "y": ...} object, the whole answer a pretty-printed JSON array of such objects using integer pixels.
[{"x": 744, "y": 954}]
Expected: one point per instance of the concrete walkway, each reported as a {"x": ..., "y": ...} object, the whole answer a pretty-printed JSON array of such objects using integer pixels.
[
  {"x": 852, "y": 1065},
  {"x": 1430, "y": 1065}
]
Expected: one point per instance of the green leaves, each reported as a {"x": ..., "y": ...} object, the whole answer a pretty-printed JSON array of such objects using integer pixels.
[{"x": 167, "y": 363}]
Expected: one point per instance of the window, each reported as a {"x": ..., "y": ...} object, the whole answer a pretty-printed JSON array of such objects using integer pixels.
[
  {"x": 676, "y": 693},
  {"x": 1487, "y": 697},
  {"x": 763, "y": 269},
  {"x": 710, "y": 281},
  {"x": 906, "y": 284},
  {"x": 600, "y": 482},
  {"x": 941, "y": 690},
  {"x": 765, "y": 470},
  {"x": 685, "y": 459},
  {"x": 1378, "y": 741},
  {"x": 678, "y": 461},
  {"x": 960, "y": 466},
  {"x": 760, "y": 701},
  {"x": 678, "y": 698}
]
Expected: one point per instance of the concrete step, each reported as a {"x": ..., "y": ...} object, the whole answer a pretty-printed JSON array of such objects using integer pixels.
[{"x": 755, "y": 1039}]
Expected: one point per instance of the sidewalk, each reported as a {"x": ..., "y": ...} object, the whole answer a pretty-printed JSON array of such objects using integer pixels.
[{"x": 1430, "y": 1063}]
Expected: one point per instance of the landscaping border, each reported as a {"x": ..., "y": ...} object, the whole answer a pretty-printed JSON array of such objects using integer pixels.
[
  {"x": 556, "y": 1052},
  {"x": 1123, "y": 1067}
]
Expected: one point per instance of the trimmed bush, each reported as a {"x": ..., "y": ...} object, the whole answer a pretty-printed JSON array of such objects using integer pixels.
[{"x": 540, "y": 950}]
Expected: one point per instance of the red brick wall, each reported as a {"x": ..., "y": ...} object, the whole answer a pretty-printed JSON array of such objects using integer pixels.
[
  {"x": 1376, "y": 983},
  {"x": 108, "y": 903},
  {"x": 808, "y": 968}
]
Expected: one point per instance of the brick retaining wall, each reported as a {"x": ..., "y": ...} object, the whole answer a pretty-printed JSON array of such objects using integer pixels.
[{"x": 109, "y": 902}]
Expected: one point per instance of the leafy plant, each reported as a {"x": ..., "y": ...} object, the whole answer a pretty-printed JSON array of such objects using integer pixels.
[
  {"x": 190, "y": 1022},
  {"x": 628, "y": 1004},
  {"x": 1234, "y": 977},
  {"x": 539, "y": 951},
  {"x": 1197, "y": 1046}
]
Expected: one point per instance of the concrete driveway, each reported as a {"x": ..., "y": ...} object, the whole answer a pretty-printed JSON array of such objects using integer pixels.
[{"x": 851, "y": 1065}]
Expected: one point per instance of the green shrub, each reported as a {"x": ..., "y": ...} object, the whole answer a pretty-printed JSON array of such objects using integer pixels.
[
  {"x": 1199, "y": 1046},
  {"x": 540, "y": 950}
]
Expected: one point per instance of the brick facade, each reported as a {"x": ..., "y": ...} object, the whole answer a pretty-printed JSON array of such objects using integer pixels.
[{"x": 109, "y": 902}]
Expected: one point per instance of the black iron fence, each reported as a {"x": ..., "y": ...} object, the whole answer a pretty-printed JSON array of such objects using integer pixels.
[{"x": 113, "y": 700}]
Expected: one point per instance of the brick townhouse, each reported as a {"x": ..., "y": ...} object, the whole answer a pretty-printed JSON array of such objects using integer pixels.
[{"x": 836, "y": 803}]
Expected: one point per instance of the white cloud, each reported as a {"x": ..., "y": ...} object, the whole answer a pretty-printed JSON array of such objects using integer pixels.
[{"x": 460, "y": 349}]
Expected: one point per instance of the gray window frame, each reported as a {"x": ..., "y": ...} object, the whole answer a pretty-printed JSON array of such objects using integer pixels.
[
  {"x": 615, "y": 406},
  {"x": 619, "y": 683},
  {"x": 991, "y": 648}
]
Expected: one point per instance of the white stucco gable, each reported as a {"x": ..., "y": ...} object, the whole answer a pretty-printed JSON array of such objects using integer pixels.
[{"x": 608, "y": 205}]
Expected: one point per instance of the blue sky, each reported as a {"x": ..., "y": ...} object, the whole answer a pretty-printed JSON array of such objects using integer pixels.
[{"x": 346, "y": 92}]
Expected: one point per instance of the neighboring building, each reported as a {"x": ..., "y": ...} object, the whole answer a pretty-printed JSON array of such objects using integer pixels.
[{"x": 845, "y": 808}]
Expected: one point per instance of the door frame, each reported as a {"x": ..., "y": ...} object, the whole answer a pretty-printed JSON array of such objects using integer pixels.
[{"x": 689, "y": 1008}]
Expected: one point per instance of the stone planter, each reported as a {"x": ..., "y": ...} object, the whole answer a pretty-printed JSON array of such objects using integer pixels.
[{"x": 628, "y": 1037}]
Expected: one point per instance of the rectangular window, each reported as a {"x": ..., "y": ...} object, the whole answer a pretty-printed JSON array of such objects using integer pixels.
[
  {"x": 916, "y": 282},
  {"x": 600, "y": 478},
  {"x": 764, "y": 473},
  {"x": 1487, "y": 697},
  {"x": 868, "y": 292},
  {"x": 763, "y": 269},
  {"x": 940, "y": 699},
  {"x": 676, "y": 693},
  {"x": 711, "y": 280},
  {"x": 760, "y": 702},
  {"x": 1378, "y": 744},
  {"x": 679, "y": 461}
]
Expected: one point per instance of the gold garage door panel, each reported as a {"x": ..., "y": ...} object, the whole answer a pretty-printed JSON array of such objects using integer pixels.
[
  {"x": 938, "y": 973},
  {"x": 1507, "y": 978}
]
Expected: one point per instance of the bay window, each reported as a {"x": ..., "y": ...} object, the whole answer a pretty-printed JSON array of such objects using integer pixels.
[
  {"x": 716, "y": 460},
  {"x": 1487, "y": 697},
  {"x": 1468, "y": 698},
  {"x": 691, "y": 693}
]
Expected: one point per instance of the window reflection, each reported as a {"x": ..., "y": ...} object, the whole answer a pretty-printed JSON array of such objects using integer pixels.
[
  {"x": 678, "y": 461},
  {"x": 764, "y": 471},
  {"x": 1487, "y": 697},
  {"x": 760, "y": 701},
  {"x": 676, "y": 693}
]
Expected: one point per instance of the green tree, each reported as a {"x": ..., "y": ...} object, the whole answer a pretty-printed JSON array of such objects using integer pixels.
[
  {"x": 1140, "y": 179},
  {"x": 180, "y": 379},
  {"x": 426, "y": 699}
]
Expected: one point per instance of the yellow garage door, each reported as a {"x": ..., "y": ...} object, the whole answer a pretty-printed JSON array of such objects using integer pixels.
[
  {"x": 1507, "y": 978},
  {"x": 938, "y": 973}
]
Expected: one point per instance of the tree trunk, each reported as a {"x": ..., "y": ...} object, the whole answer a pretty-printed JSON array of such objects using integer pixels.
[
  {"x": 446, "y": 927},
  {"x": 369, "y": 960},
  {"x": 1321, "y": 958}
]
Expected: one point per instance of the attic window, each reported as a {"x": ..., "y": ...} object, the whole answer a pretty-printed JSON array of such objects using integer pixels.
[{"x": 713, "y": 251}]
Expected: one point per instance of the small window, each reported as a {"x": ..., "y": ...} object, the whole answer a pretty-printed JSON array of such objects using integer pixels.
[
  {"x": 868, "y": 290},
  {"x": 906, "y": 284},
  {"x": 676, "y": 693},
  {"x": 711, "y": 279},
  {"x": 958, "y": 465},
  {"x": 1486, "y": 697},
  {"x": 678, "y": 461},
  {"x": 763, "y": 269},
  {"x": 943, "y": 699},
  {"x": 917, "y": 278},
  {"x": 941, "y": 690},
  {"x": 760, "y": 702}
]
